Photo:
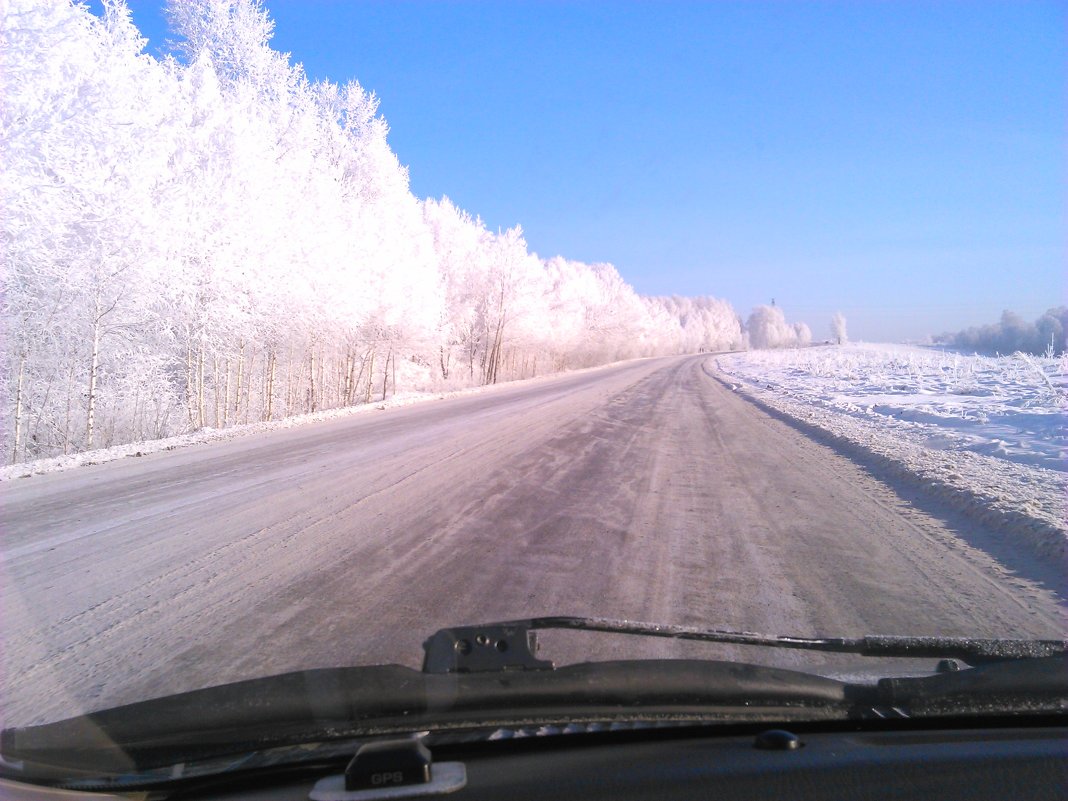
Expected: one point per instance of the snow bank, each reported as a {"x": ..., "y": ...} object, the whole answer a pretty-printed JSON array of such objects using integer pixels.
[{"x": 988, "y": 435}]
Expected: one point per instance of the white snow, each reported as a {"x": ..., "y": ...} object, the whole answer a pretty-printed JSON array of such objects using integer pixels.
[{"x": 989, "y": 434}]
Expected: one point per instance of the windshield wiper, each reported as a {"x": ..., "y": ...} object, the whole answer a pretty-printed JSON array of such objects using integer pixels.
[
  {"x": 489, "y": 675},
  {"x": 335, "y": 704},
  {"x": 513, "y": 644}
]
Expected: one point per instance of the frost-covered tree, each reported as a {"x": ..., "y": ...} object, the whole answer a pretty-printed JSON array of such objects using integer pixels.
[
  {"x": 1052, "y": 331},
  {"x": 704, "y": 324},
  {"x": 767, "y": 328},
  {"x": 1012, "y": 333},
  {"x": 838, "y": 329},
  {"x": 210, "y": 239},
  {"x": 82, "y": 159}
]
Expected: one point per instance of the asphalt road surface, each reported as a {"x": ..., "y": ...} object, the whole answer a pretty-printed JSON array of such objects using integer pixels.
[{"x": 646, "y": 490}]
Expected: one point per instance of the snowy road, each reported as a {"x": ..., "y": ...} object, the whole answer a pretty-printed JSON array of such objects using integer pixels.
[{"x": 645, "y": 490}]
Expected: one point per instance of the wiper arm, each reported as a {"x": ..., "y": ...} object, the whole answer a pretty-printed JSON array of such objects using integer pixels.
[{"x": 513, "y": 644}]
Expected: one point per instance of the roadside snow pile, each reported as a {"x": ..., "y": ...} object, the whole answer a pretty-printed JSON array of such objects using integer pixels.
[
  {"x": 987, "y": 434},
  {"x": 100, "y": 455}
]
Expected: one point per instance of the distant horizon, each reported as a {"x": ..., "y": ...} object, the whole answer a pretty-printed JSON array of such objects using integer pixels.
[{"x": 902, "y": 164}]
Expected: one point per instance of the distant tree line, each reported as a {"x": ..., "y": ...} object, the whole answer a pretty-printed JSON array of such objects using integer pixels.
[{"x": 1012, "y": 333}]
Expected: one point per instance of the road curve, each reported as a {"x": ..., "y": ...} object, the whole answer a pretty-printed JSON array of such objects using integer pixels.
[{"x": 646, "y": 490}]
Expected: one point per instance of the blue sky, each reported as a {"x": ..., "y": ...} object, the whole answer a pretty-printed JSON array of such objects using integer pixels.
[{"x": 903, "y": 162}]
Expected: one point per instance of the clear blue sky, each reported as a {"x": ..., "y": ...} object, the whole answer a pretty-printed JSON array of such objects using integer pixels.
[{"x": 904, "y": 162}]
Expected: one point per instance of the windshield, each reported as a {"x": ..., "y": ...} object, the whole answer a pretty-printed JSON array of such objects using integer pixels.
[{"x": 330, "y": 326}]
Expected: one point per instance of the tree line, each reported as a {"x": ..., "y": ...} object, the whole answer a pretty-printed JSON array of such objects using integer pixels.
[
  {"x": 1012, "y": 333},
  {"x": 209, "y": 238}
]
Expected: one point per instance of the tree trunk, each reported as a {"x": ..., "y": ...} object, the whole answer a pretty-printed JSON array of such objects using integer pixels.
[
  {"x": 321, "y": 381},
  {"x": 66, "y": 423},
  {"x": 444, "y": 362},
  {"x": 200, "y": 384},
  {"x": 289, "y": 382},
  {"x": 350, "y": 361},
  {"x": 226, "y": 393},
  {"x": 385, "y": 373},
  {"x": 495, "y": 354},
  {"x": 139, "y": 425},
  {"x": 240, "y": 377},
  {"x": 38, "y": 419},
  {"x": 270, "y": 383},
  {"x": 359, "y": 376},
  {"x": 350, "y": 367},
  {"x": 498, "y": 339},
  {"x": 215, "y": 386},
  {"x": 342, "y": 367},
  {"x": 370, "y": 376},
  {"x": 18, "y": 408},
  {"x": 189, "y": 385},
  {"x": 94, "y": 365},
  {"x": 248, "y": 388}
]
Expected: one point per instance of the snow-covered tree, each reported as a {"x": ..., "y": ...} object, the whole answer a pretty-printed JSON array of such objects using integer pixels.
[
  {"x": 767, "y": 328},
  {"x": 838, "y": 329},
  {"x": 704, "y": 324},
  {"x": 210, "y": 239},
  {"x": 1012, "y": 333}
]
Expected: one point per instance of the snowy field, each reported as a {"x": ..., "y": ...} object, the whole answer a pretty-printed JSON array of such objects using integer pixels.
[{"x": 987, "y": 433}]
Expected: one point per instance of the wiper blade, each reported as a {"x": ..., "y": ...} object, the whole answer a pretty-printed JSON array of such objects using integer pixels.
[
  {"x": 513, "y": 644},
  {"x": 1022, "y": 685},
  {"x": 344, "y": 704},
  {"x": 478, "y": 675}
]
